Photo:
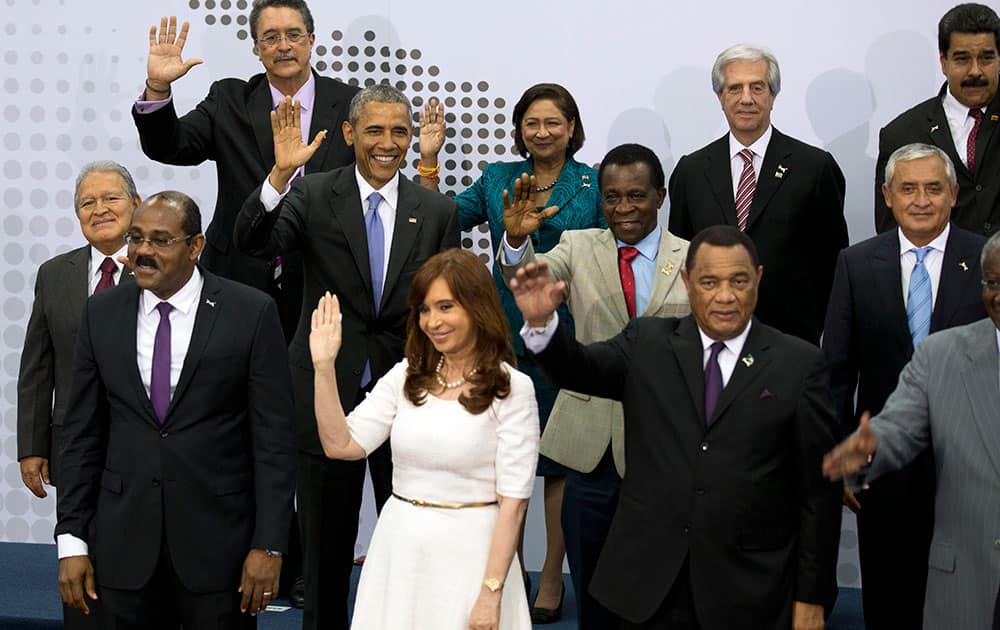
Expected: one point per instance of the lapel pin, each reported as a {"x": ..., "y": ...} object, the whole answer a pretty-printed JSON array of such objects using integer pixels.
[
  {"x": 585, "y": 177},
  {"x": 781, "y": 171},
  {"x": 666, "y": 269},
  {"x": 413, "y": 219},
  {"x": 934, "y": 128},
  {"x": 964, "y": 266},
  {"x": 747, "y": 360},
  {"x": 210, "y": 302},
  {"x": 994, "y": 118}
]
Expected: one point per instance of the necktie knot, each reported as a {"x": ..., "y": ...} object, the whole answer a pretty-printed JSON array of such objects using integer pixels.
[
  {"x": 976, "y": 113},
  {"x": 374, "y": 200},
  {"x": 627, "y": 253},
  {"x": 164, "y": 308},
  {"x": 921, "y": 253},
  {"x": 747, "y": 156},
  {"x": 108, "y": 265},
  {"x": 715, "y": 349}
]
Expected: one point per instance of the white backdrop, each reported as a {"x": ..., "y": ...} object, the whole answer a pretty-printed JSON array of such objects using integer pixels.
[{"x": 639, "y": 70}]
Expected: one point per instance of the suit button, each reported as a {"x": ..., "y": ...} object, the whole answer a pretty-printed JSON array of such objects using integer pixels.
[
  {"x": 358, "y": 371},
  {"x": 699, "y": 491},
  {"x": 156, "y": 483},
  {"x": 979, "y": 187},
  {"x": 164, "y": 434},
  {"x": 704, "y": 446},
  {"x": 687, "y": 528}
]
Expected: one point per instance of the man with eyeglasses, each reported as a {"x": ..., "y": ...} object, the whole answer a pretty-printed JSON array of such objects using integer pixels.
[
  {"x": 889, "y": 292},
  {"x": 105, "y": 198},
  {"x": 947, "y": 400},
  {"x": 179, "y": 454},
  {"x": 962, "y": 119}
]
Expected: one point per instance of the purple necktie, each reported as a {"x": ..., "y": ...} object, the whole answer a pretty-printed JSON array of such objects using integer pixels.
[
  {"x": 713, "y": 381},
  {"x": 108, "y": 269},
  {"x": 159, "y": 380},
  {"x": 376, "y": 256}
]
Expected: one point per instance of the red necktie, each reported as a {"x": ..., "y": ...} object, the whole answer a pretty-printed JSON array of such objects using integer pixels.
[
  {"x": 108, "y": 269},
  {"x": 970, "y": 146},
  {"x": 625, "y": 257},
  {"x": 744, "y": 191}
]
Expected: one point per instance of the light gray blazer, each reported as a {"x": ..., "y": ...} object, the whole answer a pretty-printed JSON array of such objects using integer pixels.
[
  {"x": 948, "y": 396},
  {"x": 580, "y": 427}
]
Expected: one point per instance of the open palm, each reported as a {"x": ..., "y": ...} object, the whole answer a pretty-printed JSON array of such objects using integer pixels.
[{"x": 165, "y": 64}]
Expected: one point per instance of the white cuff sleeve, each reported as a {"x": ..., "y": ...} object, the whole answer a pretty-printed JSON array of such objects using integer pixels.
[
  {"x": 537, "y": 339},
  {"x": 148, "y": 107},
  {"x": 512, "y": 256},
  {"x": 269, "y": 197},
  {"x": 69, "y": 545}
]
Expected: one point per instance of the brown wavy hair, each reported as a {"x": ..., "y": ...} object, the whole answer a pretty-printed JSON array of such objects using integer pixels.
[{"x": 472, "y": 286}]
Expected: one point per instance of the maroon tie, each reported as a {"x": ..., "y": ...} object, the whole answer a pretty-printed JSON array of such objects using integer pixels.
[
  {"x": 625, "y": 257},
  {"x": 970, "y": 146},
  {"x": 744, "y": 190},
  {"x": 108, "y": 269}
]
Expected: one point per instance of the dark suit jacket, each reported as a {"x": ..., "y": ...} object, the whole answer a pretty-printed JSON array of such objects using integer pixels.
[
  {"x": 322, "y": 217},
  {"x": 978, "y": 206},
  {"x": 743, "y": 499},
  {"x": 796, "y": 220},
  {"x": 866, "y": 339},
  {"x": 61, "y": 290},
  {"x": 232, "y": 126},
  {"x": 216, "y": 479}
]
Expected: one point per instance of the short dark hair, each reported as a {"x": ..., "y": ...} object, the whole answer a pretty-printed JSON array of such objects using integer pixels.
[
  {"x": 563, "y": 100},
  {"x": 625, "y": 154},
  {"x": 967, "y": 18},
  {"x": 191, "y": 223},
  {"x": 298, "y": 5},
  {"x": 721, "y": 236}
]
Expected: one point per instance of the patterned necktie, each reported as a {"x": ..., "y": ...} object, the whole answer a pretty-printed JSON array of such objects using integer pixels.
[
  {"x": 918, "y": 300},
  {"x": 159, "y": 380},
  {"x": 713, "y": 381},
  {"x": 108, "y": 269},
  {"x": 970, "y": 146},
  {"x": 625, "y": 257},
  {"x": 744, "y": 191}
]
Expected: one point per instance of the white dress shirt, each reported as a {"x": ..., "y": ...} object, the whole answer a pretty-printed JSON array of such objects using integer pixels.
[
  {"x": 96, "y": 258},
  {"x": 960, "y": 123},
  {"x": 759, "y": 148},
  {"x": 728, "y": 356},
  {"x": 932, "y": 261}
]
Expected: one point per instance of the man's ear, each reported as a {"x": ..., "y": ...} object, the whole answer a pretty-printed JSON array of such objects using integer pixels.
[{"x": 348, "y": 133}]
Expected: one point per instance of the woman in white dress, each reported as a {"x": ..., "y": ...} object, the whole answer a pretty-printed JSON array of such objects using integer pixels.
[{"x": 464, "y": 428}]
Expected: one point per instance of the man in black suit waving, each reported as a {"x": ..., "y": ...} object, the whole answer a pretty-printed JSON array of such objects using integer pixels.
[
  {"x": 363, "y": 231},
  {"x": 784, "y": 194},
  {"x": 889, "y": 292},
  {"x": 178, "y": 440},
  {"x": 723, "y": 519}
]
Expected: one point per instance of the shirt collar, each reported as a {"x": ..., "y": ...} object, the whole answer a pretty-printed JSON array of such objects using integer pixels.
[
  {"x": 96, "y": 258},
  {"x": 759, "y": 147},
  {"x": 306, "y": 95},
  {"x": 954, "y": 109},
  {"x": 389, "y": 192},
  {"x": 937, "y": 244},
  {"x": 649, "y": 246},
  {"x": 735, "y": 345},
  {"x": 184, "y": 300}
]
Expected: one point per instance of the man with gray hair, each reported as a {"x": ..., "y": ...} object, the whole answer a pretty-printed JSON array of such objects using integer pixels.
[
  {"x": 946, "y": 401},
  {"x": 363, "y": 231},
  {"x": 105, "y": 197},
  {"x": 889, "y": 292},
  {"x": 784, "y": 194}
]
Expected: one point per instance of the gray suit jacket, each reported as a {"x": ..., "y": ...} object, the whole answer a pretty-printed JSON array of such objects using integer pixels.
[
  {"x": 948, "y": 397},
  {"x": 61, "y": 290},
  {"x": 580, "y": 426}
]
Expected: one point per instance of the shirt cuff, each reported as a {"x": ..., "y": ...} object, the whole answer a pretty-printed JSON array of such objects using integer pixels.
[
  {"x": 537, "y": 339},
  {"x": 512, "y": 256},
  {"x": 269, "y": 197},
  {"x": 69, "y": 546},
  {"x": 148, "y": 107}
]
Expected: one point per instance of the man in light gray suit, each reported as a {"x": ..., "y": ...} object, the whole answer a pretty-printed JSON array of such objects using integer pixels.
[
  {"x": 948, "y": 398},
  {"x": 611, "y": 276}
]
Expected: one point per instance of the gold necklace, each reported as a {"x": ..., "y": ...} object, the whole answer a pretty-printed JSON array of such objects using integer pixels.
[{"x": 445, "y": 384}]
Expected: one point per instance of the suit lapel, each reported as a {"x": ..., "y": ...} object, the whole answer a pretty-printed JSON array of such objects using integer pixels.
[
  {"x": 345, "y": 206},
  {"x": 940, "y": 133},
  {"x": 129, "y": 324},
  {"x": 259, "y": 108},
  {"x": 78, "y": 281},
  {"x": 690, "y": 356},
  {"x": 956, "y": 271},
  {"x": 980, "y": 381},
  {"x": 986, "y": 136},
  {"x": 668, "y": 269},
  {"x": 324, "y": 116},
  {"x": 606, "y": 263},
  {"x": 404, "y": 234},
  {"x": 888, "y": 278},
  {"x": 773, "y": 171},
  {"x": 752, "y": 362},
  {"x": 719, "y": 172},
  {"x": 208, "y": 308}
]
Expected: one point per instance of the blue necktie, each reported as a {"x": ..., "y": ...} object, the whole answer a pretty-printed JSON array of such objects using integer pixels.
[
  {"x": 918, "y": 300},
  {"x": 376, "y": 256}
]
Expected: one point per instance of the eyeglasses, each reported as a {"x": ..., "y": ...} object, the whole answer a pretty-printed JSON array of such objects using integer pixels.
[
  {"x": 272, "y": 40},
  {"x": 991, "y": 285},
  {"x": 133, "y": 240}
]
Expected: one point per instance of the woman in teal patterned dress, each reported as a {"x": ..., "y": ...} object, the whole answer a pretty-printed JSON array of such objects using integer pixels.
[{"x": 547, "y": 133}]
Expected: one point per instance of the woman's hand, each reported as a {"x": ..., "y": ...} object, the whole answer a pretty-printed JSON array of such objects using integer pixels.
[
  {"x": 485, "y": 613},
  {"x": 325, "y": 338},
  {"x": 432, "y": 132},
  {"x": 521, "y": 216}
]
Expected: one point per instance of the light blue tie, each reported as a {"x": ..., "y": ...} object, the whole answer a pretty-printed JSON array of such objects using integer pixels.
[
  {"x": 918, "y": 301},
  {"x": 376, "y": 257}
]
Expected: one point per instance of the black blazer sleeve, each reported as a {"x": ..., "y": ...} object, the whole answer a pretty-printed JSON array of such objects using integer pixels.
[
  {"x": 679, "y": 223},
  {"x": 884, "y": 221},
  {"x": 831, "y": 232},
  {"x": 598, "y": 369},
  {"x": 262, "y": 233},
  {"x": 838, "y": 345},
  {"x": 183, "y": 141},
  {"x": 36, "y": 380}
]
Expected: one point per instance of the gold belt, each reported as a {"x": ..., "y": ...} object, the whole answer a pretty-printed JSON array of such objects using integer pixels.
[{"x": 450, "y": 506}]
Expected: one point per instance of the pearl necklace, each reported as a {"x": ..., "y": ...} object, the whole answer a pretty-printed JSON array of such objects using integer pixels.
[{"x": 443, "y": 383}]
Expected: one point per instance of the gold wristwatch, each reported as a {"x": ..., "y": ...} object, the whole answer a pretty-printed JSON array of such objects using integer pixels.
[{"x": 493, "y": 584}]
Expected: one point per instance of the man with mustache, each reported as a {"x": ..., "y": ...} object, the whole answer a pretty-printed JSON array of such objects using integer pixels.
[{"x": 961, "y": 120}]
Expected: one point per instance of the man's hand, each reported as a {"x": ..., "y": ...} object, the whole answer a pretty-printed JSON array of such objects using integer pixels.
[
  {"x": 853, "y": 453},
  {"x": 432, "y": 132},
  {"x": 35, "y": 473},
  {"x": 325, "y": 338},
  {"x": 76, "y": 577},
  {"x": 535, "y": 293},
  {"x": 807, "y": 616},
  {"x": 290, "y": 153},
  {"x": 485, "y": 613},
  {"x": 165, "y": 65},
  {"x": 259, "y": 583},
  {"x": 521, "y": 216}
]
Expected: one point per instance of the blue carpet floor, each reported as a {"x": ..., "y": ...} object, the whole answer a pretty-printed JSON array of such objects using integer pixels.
[{"x": 29, "y": 597}]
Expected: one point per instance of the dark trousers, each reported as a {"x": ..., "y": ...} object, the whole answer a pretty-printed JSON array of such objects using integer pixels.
[
  {"x": 895, "y": 526},
  {"x": 677, "y": 610},
  {"x": 164, "y": 604},
  {"x": 329, "y": 502},
  {"x": 589, "y": 503}
]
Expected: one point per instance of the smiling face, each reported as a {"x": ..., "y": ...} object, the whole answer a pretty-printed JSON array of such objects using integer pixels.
[
  {"x": 630, "y": 200},
  {"x": 284, "y": 61},
  {"x": 104, "y": 210},
  {"x": 380, "y": 139},
  {"x": 746, "y": 99},
  {"x": 545, "y": 131},
  {"x": 921, "y": 198},
  {"x": 972, "y": 68},
  {"x": 446, "y": 322},
  {"x": 722, "y": 289},
  {"x": 162, "y": 269}
]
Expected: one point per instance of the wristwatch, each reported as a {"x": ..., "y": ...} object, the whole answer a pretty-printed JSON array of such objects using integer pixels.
[
  {"x": 493, "y": 584},
  {"x": 271, "y": 553}
]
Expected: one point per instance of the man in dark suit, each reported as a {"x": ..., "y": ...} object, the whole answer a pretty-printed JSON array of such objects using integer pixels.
[
  {"x": 961, "y": 120},
  {"x": 231, "y": 126},
  {"x": 178, "y": 443},
  {"x": 363, "y": 232},
  {"x": 889, "y": 292},
  {"x": 105, "y": 198},
  {"x": 786, "y": 195},
  {"x": 724, "y": 520}
]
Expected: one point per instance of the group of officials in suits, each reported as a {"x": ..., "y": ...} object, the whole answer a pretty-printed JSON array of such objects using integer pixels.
[{"x": 184, "y": 444}]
